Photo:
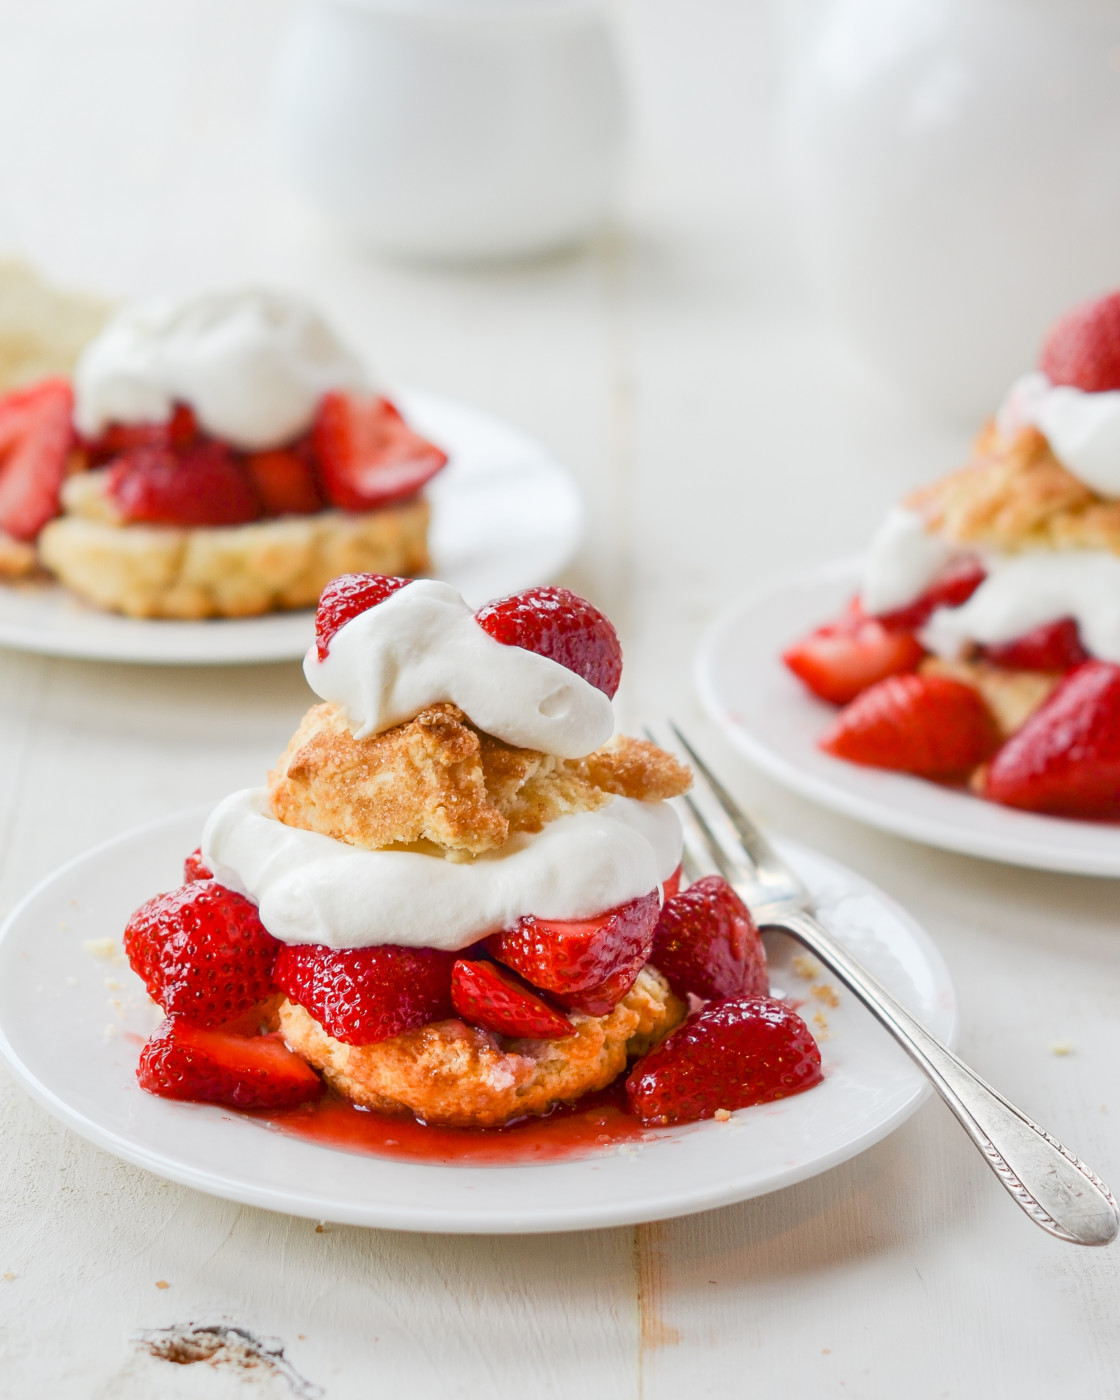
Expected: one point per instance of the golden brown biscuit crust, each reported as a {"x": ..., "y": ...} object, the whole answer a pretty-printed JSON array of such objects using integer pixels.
[
  {"x": 439, "y": 779},
  {"x": 1011, "y": 696},
  {"x": 454, "y": 1074}
]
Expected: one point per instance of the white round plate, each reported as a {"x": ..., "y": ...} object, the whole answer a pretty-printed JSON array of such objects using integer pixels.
[
  {"x": 771, "y": 718},
  {"x": 504, "y": 516},
  {"x": 71, "y": 1025}
]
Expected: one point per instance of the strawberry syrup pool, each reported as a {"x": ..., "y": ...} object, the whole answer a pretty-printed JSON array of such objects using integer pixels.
[{"x": 597, "y": 1123}]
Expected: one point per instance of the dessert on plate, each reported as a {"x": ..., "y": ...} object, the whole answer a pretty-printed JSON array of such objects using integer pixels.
[
  {"x": 984, "y": 646},
  {"x": 213, "y": 456},
  {"x": 457, "y": 895}
]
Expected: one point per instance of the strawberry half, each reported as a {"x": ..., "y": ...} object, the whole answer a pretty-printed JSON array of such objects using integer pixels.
[
  {"x": 844, "y": 657},
  {"x": 931, "y": 726},
  {"x": 184, "y": 1061},
  {"x": 180, "y": 430},
  {"x": 734, "y": 1053},
  {"x": 35, "y": 440},
  {"x": 1083, "y": 348},
  {"x": 488, "y": 996},
  {"x": 953, "y": 586},
  {"x": 198, "y": 486},
  {"x": 557, "y": 623},
  {"x": 284, "y": 480},
  {"x": 347, "y": 597},
  {"x": 195, "y": 868},
  {"x": 1055, "y": 646},
  {"x": 363, "y": 995},
  {"x": 202, "y": 952},
  {"x": 570, "y": 956},
  {"x": 1066, "y": 758},
  {"x": 368, "y": 455},
  {"x": 706, "y": 943}
]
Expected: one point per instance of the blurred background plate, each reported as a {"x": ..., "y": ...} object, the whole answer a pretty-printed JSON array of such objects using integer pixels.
[
  {"x": 772, "y": 719},
  {"x": 504, "y": 516}
]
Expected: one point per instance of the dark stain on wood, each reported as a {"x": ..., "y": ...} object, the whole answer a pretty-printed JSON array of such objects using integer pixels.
[{"x": 228, "y": 1348}]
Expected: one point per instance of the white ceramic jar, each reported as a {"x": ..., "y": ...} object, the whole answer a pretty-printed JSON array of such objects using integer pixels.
[
  {"x": 957, "y": 169},
  {"x": 455, "y": 128}
]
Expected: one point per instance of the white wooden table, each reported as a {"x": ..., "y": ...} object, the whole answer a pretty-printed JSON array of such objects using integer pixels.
[{"x": 720, "y": 433}]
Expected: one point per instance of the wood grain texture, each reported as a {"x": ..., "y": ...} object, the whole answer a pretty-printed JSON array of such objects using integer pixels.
[{"x": 720, "y": 434}]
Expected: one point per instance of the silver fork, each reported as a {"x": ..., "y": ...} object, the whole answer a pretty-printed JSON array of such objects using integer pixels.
[{"x": 1057, "y": 1190}]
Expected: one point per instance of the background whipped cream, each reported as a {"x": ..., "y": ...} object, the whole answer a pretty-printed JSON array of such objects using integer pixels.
[
  {"x": 313, "y": 889},
  {"x": 1082, "y": 429},
  {"x": 252, "y": 364},
  {"x": 422, "y": 646},
  {"x": 903, "y": 561}
]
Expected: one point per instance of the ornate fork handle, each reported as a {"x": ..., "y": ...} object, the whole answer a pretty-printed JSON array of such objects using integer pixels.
[{"x": 1056, "y": 1190}]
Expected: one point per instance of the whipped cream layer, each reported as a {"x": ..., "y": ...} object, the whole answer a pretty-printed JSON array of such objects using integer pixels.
[
  {"x": 313, "y": 889},
  {"x": 252, "y": 364},
  {"x": 422, "y": 646},
  {"x": 903, "y": 561},
  {"x": 1083, "y": 430}
]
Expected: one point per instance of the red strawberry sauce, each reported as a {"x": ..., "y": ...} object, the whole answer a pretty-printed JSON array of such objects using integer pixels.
[{"x": 597, "y": 1123}]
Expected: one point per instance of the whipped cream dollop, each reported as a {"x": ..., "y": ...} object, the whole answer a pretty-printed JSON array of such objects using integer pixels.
[
  {"x": 313, "y": 889},
  {"x": 1082, "y": 429},
  {"x": 252, "y": 364},
  {"x": 421, "y": 646},
  {"x": 904, "y": 559}
]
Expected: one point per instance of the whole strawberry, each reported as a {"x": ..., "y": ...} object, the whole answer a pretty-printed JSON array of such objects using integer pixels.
[
  {"x": 363, "y": 995},
  {"x": 559, "y": 624},
  {"x": 1083, "y": 348},
  {"x": 706, "y": 943},
  {"x": 1066, "y": 758},
  {"x": 734, "y": 1053},
  {"x": 202, "y": 952},
  {"x": 347, "y": 597},
  {"x": 185, "y": 1061}
]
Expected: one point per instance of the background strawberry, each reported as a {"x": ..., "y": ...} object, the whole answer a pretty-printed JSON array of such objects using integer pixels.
[
  {"x": 185, "y": 1061},
  {"x": 202, "y": 952},
  {"x": 200, "y": 485},
  {"x": 180, "y": 430},
  {"x": 557, "y": 623},
  {"x": 368, "y": 455},
  {"x": 957, "y": 582},
  {"x": 734, "y": 1053},
  {"x": 706, "y": 943},
  {"x": 845, "y": 657},
  {"x": 1083, "y": 348},
  {"x": 285, "y": 481},
  {"x": 345, "y": 598},
  {"x": 363, "y": 995},
  {"x": 35, "y": 441},
  {"x": 487, "y": 995},
  {"x": 1055, "y": 646}
]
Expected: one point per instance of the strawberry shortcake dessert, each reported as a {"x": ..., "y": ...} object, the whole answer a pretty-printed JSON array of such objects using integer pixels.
[
  {"x": 213, "y": 456},
  {"x": 457, "y": 895},
  {"x": 984, "y": 645}
]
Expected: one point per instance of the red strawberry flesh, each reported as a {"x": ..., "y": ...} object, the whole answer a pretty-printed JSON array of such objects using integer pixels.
[
  {"x": 735, "y": 1053},
  {"x": 346, "y": 598},
  {"x": 203, "y": 485},
  {"x": 559, "y": 624},
  {"x": 954, "y": 586},
  {"x": 845, "y": 657},
  {"x": 364, "y": 995},
  {"x": 1082, "y": 349},
  {"x": 706, "y": 943},
  {"x": 488, "y": 996},
  {"x": 284, "y": 481},
  {"x": 184, "y": 1061},
  {"x": 202, "y": 952},
  {"x": 368, "y": 455},
  {"x": 178, "y": 431},
  {"x": 35, "y": 441},
  {"x": 195, "y": 868},
  {"x": 1055, "y": 646},
  {"x": 1065, "y": 760}
]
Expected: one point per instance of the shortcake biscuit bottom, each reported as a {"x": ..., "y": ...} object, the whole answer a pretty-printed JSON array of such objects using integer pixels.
[
  {"x": 231, "y": 571},
  {"x": 452, "y": 1074}
]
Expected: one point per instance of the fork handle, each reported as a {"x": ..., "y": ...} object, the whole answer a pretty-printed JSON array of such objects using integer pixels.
[{"x": 1058, "y": 1192}]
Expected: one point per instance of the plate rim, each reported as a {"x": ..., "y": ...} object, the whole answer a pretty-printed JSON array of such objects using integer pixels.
[
  {"x": 571, "y": 1216},
  {"x": 885, "y": 815}
]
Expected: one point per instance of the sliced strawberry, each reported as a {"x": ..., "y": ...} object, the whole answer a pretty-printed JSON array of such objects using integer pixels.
[
  {"x": 183, "y": 1061},
  {"x": 202, "y": 951},
  {"x": 486, "y": 995},
  {"x": 201, "y": 485},
  {"x": 569, "y": 956},
  {"x": 368, "y": 455},
  {"x": 672, "y": 884},
  {"x": 1083, "y": 348},
  {"x": 734, "y": 1053},
  {"x": 35, "y": 440},
  {"x": 602, "y": 999},
  {"x": 953, "y": 586},
  {"x": 363, "y": 995},
  {"x": 195, "y": 868},
  {"x": 927, "y": 725},
  {"x": 346, "y": 598},
  {"x": 1066, "y": 758},
  {"x": 706, "y": 943},
  {"x": 1055, "y": 646},
  {"x": 557, "y": 623},
  {"x": 180, "y": 430},
  {"x": 844, "y": 657},
  {"x": 284, "y": 480}
]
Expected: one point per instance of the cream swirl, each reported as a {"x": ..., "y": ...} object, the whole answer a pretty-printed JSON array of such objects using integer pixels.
[
  {"x": 422, "y": 646},
  {"x": 252, "y": 364},
  {"x": 1082, "y": 429},
  {"x": 313, "y": 889}
]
